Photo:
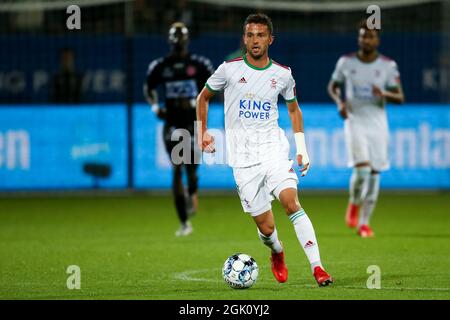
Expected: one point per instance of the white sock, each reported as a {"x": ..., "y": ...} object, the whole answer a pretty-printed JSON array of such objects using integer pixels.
[
  {"x": 271, "y": 241},
  {"x": 370, "y": 200},
  {"x": 358, "y": 184},
  {"x": 307, "y": 237}
]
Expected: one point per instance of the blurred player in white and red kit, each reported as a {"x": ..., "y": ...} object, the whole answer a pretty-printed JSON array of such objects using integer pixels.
[
  {"x": 257, "y": 147},
  {"x": 370, "y": 79}
]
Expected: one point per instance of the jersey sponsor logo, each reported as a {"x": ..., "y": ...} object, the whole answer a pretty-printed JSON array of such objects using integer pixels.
[
  {"x": 181, "y": 89},
  {"x": 363, "y": 92},
  {"x": 254, "y": 109}
]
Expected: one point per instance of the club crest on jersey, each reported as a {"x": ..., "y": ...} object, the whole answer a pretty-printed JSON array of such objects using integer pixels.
[
  {"x": 191, "y": 71},
  {"x": 273, "y": 83}
]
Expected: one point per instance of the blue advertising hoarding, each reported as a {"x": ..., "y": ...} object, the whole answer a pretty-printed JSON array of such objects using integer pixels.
[
  {"x": 419, "y": 149},
  {"x": 46, "y": 147}
]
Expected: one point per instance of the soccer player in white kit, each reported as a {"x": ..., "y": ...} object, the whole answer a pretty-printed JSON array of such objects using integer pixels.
[
  {"x": 370, "y": 79},
  {"x": 257, "y": 148}
]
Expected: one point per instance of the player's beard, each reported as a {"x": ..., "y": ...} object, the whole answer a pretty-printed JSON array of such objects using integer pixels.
[
  {"x": 367, "y": 50},
  {"x": 262, "y": 52}
]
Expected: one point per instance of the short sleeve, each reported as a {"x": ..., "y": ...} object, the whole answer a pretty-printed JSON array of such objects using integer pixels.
[
  {"x": 218, "y": 81},
  {"x": 338, "y": 73},
  {"x": 153, "y": 78},
  {"x": 206, "y": 68},
  {"x": 289, "y": 92},
  {"x": 393, "y": 76},
  {"x": 209, "y": 69}
]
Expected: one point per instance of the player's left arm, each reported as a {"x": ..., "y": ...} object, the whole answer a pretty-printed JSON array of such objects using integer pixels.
[
  {"x": 394, "y": 94},
  {"x": 205, "y": 140},
  {"x": 296, "y": 116},
  {"x": 393, "y": 91}
]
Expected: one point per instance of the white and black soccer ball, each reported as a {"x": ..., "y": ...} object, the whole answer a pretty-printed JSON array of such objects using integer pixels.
[{"x": 240, "y": 271}]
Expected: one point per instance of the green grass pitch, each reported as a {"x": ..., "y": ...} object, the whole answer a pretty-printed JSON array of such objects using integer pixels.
[{"x": 126, "y": 249}]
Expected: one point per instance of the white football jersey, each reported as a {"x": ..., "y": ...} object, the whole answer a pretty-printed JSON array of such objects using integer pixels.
[
  {"x": 364, "y": 109},
  {"x": 251, "y": 110}
]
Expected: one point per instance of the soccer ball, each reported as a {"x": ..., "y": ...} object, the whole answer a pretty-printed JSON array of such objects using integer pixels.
[{"x": 240, "y": 271}]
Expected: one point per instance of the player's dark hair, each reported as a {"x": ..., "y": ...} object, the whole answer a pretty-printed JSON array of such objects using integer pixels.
[
  {"x": 363, "y": 25},
  {"x": 259, "y": 18}
]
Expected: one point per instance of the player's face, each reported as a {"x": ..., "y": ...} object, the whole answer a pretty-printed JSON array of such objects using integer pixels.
[
  {"x": 368, "y": 40},
  {"x": 178, "y": 38},
  {"x": 257, "y": 39}
]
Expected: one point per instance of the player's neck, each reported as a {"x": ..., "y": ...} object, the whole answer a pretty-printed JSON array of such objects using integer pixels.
[
  {"x": 179, "y": 54},
  {"x": 260, "y": 63},
  {"x": 367, "y": 57}
]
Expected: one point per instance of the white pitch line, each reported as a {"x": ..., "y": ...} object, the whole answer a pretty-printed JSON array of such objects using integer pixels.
[{"x": 189, "y": 276}]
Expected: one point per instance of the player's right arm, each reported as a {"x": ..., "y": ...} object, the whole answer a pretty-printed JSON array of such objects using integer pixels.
[
  {"x": 151, "y": 95},
  {"x": 205, "y": 140},
  {"x": 334, "y": 88},
  {"x": 153, "y": 79},
  {"x": 217, "y": 82}
]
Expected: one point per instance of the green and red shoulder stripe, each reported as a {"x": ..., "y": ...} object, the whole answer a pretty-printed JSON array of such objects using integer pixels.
[
  {"x": 235, "y": 59},
  {"x": 281, "y": 65}
]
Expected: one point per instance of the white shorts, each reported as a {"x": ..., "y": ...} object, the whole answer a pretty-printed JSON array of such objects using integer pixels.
[
  {"x": 367, "y": 145},
  {"x": 260, "y": 184}
]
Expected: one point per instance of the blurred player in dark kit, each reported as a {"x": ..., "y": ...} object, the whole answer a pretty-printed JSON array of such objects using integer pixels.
[{"x": 181, "y": 76}]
